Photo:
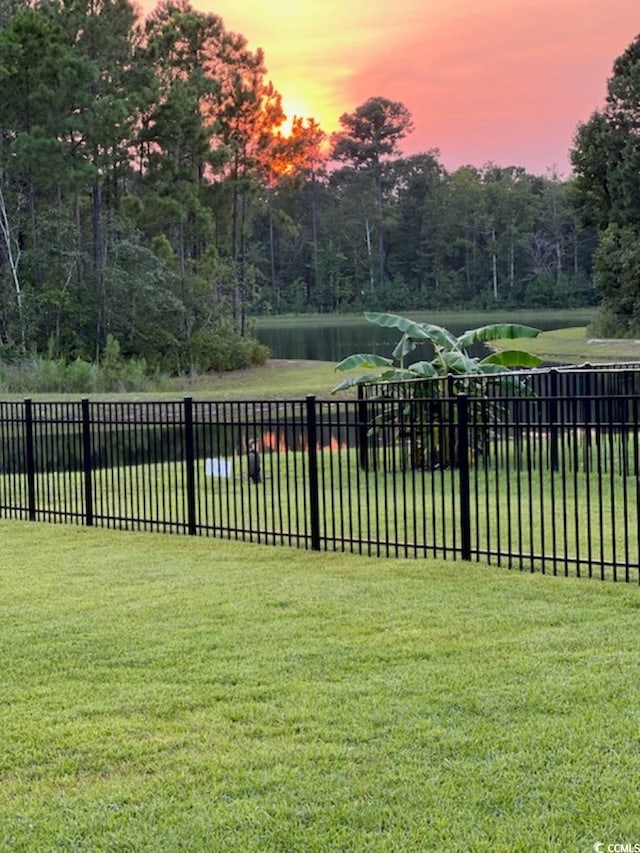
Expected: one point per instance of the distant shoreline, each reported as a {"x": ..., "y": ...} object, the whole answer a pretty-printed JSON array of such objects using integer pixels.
[{"x": 572, "y": 346}]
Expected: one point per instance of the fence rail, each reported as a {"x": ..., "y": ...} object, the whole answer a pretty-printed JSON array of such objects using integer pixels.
[{"x": 541, "y": 480}]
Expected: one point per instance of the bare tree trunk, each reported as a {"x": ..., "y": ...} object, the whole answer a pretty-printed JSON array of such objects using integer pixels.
[
  {"x": 272, "y": 258},
  {"x": 381, "y": 248},
  {"x": 367, "y": 229},
  {"x": 13, "y": 258},
  {"x": 57, "y": 347},
  {"x": 494, "y": 265},
  {"x": 512, "y": 266},
  {"x": 558, "y": 261},
  {"x": 243, "y": 265},
  {"x": 98, "y": 266},
  {"x": 314, "y": 238}
]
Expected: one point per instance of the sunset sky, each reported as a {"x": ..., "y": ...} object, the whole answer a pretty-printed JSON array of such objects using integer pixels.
[{"x": 505, "y": 81}]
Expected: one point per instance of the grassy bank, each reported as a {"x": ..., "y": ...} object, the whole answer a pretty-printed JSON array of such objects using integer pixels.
[
  {"x": 277, "y": 379},
  {"x": 165, "y": 694},
  {"x": 575, "y": 346}
]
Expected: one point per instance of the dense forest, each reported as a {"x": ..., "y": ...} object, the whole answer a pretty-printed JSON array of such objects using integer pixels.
[
  {"x": 149, "y": 196},
  {"x": 606, "y": 195}
]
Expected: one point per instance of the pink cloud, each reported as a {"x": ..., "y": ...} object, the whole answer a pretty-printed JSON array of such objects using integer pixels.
[
  {"x": 503, "y": 85},
  {"x": 505, "y": 81}
]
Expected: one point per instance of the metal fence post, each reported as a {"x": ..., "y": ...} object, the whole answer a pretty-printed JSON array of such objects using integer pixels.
[
  {"x": 553, "y": 419},
  {"x": 30, "y": 459},
  {"x": 86, "y": 464},
  {"x": 462, "y": 405},
  {"x": 312, "y": 451},
  {"x": 190, "y": 466},
  {"x": 362, "y": 430}
]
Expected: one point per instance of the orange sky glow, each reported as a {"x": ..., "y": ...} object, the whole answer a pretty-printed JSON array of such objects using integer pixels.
[{"x": 505, "y": 81}]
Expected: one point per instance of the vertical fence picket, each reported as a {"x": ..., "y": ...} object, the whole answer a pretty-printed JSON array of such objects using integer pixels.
[
  {"x": 87, "y": 463},
  {"x": 189, "y": 462},
  {"x": 30, "y": 459},
  {"x": 362, "y": 430},
  {"x": 312, "y": 456},
  {"x": 462, "y": 404},
  {"x": 553, "y": 419}
]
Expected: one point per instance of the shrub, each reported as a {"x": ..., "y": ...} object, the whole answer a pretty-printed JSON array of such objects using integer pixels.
[
  {"x": 118, "y": 374},
  {"x": 41, "y": 375},
  {"x": 80, "y": 377},
  {"x": 223, "y": 353}
]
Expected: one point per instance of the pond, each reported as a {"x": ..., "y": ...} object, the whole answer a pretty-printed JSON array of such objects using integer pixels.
[{"x": 325, "y": 338}]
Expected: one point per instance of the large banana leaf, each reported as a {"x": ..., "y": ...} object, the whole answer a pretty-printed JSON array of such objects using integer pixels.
[
  {"x": 439, "y": 337},
  {"x": 395, "y": 375},
  {"x": 363, "y": 359},
  {"x": 417, "y": 331},
  {"x": 359, "y": 380},
  {"x": 495, "y": 331},
  {"x": 458, "y": 362},
  {"x": 400, "y": 374},
  {"x": 512, "y": 358},
  {"x": 424, "y": 369},
  {"x": 404, "y": 346},
  {"x": 394, "y": 321}
]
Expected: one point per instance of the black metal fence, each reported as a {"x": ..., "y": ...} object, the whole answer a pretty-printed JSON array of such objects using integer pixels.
[{"x": 538, "y": 471}]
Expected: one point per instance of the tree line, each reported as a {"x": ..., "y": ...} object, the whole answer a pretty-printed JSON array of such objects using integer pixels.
[
  {"x": 606, "y": 195},
  {"x": 149, "y": 196}
]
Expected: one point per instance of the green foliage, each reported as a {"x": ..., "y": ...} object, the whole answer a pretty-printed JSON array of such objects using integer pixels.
[
  {"x": 507, "y": 331},
  {"x": 606, "y": 160},
  {"x": 146, "y": 193},
  {"x": 117, "y": 374},
  {"x": 372, "y": 132},
  {"x": 224, "y": 352},
  {"x": 38, "y": 374},
  {"x": 450, "y": 355},
  {"x": 450, "y": 358},
  {"x": 606, "y": 324},
  {"x": 512, "y": 359},
  {"x": 617, "y": 275},
  {"x": 78, "y": 377}
]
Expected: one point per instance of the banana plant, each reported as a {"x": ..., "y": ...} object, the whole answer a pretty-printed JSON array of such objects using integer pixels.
[
  {"x": 451, "y": 356},
  {"x": 434, "y": 445}
]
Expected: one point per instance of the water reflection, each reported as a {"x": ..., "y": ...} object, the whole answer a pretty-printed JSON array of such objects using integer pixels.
[{"x": 334, "y": 342}]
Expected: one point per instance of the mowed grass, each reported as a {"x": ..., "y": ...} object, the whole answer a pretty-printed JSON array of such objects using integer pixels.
[
  {"x": 162, "y": 693},
  {"x": 575, "y": 345},
  {"x": 277, "y": 379}
]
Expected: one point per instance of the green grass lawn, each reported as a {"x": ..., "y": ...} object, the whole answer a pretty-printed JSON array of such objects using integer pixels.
[
  {"x": 162, "y": 693},
  {"x": 575, "y": 346},
  {"x": 278, "y": 379}
]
